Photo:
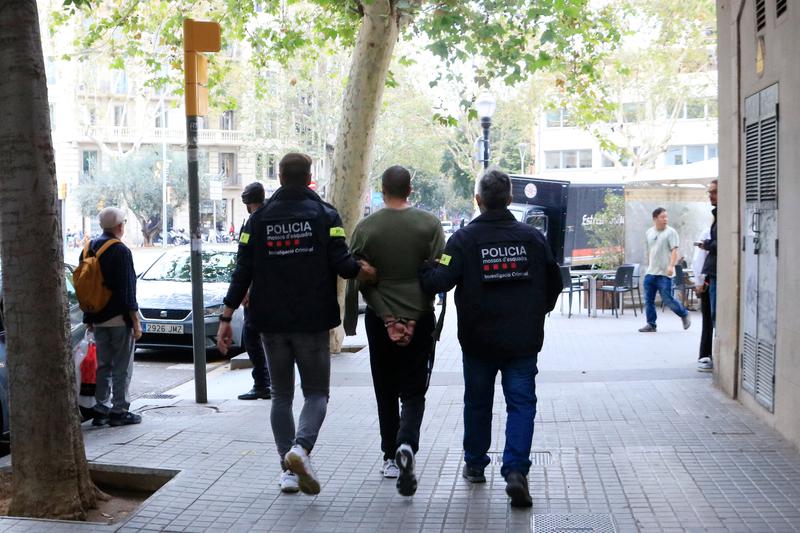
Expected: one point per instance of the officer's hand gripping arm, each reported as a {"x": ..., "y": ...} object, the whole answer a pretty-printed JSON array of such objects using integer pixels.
[
  {"x": 339, "y": 257},
  {"x": 445, "y": 274}
]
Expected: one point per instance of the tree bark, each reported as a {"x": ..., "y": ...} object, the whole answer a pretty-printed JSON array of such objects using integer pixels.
[
  {"x": 372, "y": 55},
  {"x": 51, "y": 475}
]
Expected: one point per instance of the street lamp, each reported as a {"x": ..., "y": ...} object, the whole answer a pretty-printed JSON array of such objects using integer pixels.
[{"x": 485, "y": 105}]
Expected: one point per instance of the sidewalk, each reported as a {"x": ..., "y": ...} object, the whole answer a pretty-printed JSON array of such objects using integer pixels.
[{"x": 629, "y": 436}]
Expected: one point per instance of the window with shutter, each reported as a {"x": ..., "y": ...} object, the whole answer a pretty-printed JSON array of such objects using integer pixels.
[
  {"x": 765, "y": 374},
  {"x": 761, "y": 14},
  {"x": 749, "y": 355},
  {"x": 751, "y": 162},
  {"x": 768, "y": 160},
  {"x": 780, "y": 7},
  {"x": 759, "y": 251}
]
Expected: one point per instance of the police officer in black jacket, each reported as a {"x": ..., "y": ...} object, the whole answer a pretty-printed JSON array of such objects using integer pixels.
[
  {"x": 290, "y": 253},
  {"x": 506, "y": 282}
]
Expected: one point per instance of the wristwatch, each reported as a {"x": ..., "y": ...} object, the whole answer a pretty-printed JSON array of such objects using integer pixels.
[{"x": 223, "y": 318}]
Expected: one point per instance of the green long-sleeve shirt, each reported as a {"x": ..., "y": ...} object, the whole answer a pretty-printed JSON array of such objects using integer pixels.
[{"x": 396, "y": 242}]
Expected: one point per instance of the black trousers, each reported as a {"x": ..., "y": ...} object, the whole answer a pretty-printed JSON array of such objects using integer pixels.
[
  {"x": 258, "y": 357},
  {"x": 707, "y": 334},
  {"x": 399, "y": 373}
]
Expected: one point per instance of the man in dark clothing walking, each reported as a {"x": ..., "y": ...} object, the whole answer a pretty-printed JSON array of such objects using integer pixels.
[
  {"x": 117, "y": 326},
  {"x": 253, "y": 199},
  {"x": 291, "y": 251},
  {"x": 506, "y": 282},
  {"x": 399, "y": 319}
]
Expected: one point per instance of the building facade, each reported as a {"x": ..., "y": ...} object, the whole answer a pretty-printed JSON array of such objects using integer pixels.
[
  {"x": 664, "y": 141},
  {"x": 100, "y": 112},
  {"x": 668, "y": 156},
  {"x": 757, "y": 336}
]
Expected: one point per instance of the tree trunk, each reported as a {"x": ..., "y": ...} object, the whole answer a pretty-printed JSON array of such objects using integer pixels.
[
  {"x": 148, "y": 236},
  {"x": 51, "y": 475},
  {"x": 372, "y": 55}
]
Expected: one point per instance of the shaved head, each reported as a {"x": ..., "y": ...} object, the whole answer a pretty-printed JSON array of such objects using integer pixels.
[{"x": 396, "y": 182}]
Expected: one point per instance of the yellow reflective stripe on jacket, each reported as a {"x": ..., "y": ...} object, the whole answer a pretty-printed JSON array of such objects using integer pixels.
[
  {"x": 337, "y": 232},
  {"x": 244, "y": 238},
  {"x": 444, "y": 260}
]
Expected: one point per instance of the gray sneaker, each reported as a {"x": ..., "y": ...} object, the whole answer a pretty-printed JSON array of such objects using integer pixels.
[
  {"x": 649, "y": 328},
  {"x": 705, "y": 364},
  {"x": 687, "y": 321}
]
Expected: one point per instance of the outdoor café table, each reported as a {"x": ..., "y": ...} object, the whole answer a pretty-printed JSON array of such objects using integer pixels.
[{"x": 592, "y": 275}]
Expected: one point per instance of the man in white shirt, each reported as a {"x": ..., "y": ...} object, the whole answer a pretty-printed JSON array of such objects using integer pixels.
[
  {"x": 704, "y": 362},
  {"x": 662, "y": 248}
]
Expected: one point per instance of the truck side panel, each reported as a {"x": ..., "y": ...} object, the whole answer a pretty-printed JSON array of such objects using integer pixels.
[{"x": 551, "y": 197}]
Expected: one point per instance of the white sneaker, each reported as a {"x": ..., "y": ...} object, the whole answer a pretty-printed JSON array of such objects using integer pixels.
[
  {"x": 298, "y": 462},
  {"x": 289, "y": 482},
  {"x": 705, "y": 364},
  {"x": 390, "y": 469}
]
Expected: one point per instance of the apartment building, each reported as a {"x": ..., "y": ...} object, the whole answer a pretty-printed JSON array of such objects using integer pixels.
[
  {"x": 663, "y": 142},
  {"x": 99, "y": 113}
]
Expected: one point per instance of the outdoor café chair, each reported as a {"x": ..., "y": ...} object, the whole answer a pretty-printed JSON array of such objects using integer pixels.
[
  {"x": 623, "y": 282},
  {"x": 571, "y": 285}
]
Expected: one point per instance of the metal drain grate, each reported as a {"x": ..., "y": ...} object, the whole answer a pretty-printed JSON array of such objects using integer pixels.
[
  {"x": 541, "y": 458},
  {"x": 154, "y": 396},
  {"x": 570, "y": 523},
  {"x": 538, "y": 458}
]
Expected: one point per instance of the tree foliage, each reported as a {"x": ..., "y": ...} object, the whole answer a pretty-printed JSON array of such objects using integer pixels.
[
  {"x": 505, "y": 41},
  {"x": 667, "y": 56}
]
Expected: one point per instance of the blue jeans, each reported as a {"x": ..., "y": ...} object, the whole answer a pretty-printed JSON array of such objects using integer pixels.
[
  {"x": 662, "y": 284},
  {"x": 519, "y": 389}
]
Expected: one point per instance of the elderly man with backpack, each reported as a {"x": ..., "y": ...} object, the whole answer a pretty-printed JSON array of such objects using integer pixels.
[{"x": 105, "y": 284}]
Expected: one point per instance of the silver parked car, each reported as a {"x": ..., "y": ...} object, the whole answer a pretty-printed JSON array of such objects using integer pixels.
[
  {"x": 164, "y": 293},
  {"x": 77, "y": 330}
]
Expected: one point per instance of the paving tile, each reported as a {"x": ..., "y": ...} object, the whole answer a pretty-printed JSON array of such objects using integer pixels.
[{"x": 627, "y": 427}]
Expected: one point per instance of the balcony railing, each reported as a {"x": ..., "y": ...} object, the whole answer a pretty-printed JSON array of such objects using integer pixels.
[{"x": 170, "y": 135}]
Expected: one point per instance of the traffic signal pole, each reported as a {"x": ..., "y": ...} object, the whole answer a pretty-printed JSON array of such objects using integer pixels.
[{"x": 197, "y": 37}]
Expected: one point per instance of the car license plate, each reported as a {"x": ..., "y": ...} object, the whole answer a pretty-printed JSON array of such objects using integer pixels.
[{"x": 176, "y": 329}]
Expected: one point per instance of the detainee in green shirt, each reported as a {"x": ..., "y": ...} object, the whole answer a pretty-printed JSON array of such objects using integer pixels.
[{"x": 399, "y": 319}]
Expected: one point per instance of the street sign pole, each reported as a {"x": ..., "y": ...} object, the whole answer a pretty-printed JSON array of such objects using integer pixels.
[
  {"x": 163, "y": 111},
  {"x": 197, "y": 37},
  {"x": 198, "y": 309}
]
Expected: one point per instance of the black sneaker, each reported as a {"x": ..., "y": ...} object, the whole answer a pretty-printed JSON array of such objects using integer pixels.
[
  {"x": 407, "y": 480},
  {"x": 100, "y": 419},
  {"x": 256, "y": 394},
  {"x": 124, "y": 419},
  {"x": 87, "y": 413},
  {"x": 517, "y": 490},
  {"x": 473, "y": 474}
]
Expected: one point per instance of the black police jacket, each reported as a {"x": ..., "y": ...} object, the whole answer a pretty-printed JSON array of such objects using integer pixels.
[
  {"x": 291, "y": 250},
  {"x": 506, "y": 282}
]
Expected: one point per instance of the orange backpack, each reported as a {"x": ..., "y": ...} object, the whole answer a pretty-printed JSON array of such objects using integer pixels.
[{"x": 90, "y": 289}]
